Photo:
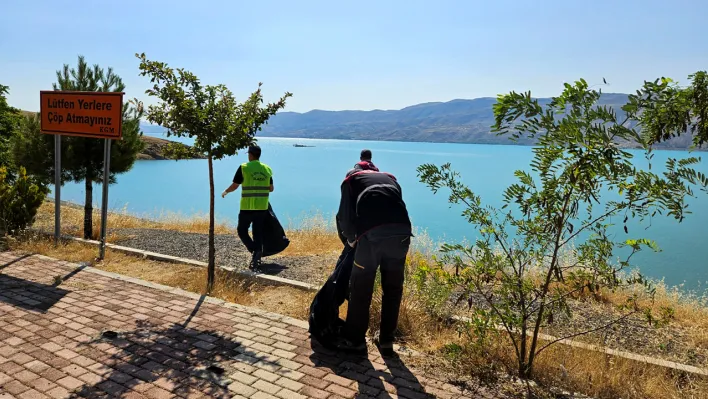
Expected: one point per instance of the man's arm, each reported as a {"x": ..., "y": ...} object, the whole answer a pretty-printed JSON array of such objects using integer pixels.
[
  {"x": 271, "y": 185},
  {"x": 346, "y": 214},
  {"x": 230, "y": 189},
  {"x": 238, "y": 179}
]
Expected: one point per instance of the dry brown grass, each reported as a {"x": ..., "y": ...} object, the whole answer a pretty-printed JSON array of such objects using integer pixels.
[
  {"x": 72, "y": 221},
  {"x": 227, "y": 286},
  {"x": 604, "y": 376},
  {"x": 316, "y": 235},
  {"x": 673, "y": 305}
]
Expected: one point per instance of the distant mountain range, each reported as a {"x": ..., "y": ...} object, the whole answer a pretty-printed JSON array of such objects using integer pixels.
[{"x": 456, "y": 121}]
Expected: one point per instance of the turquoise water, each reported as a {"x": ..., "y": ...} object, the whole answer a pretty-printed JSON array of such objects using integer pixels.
[{"x": 307, "y": 181}]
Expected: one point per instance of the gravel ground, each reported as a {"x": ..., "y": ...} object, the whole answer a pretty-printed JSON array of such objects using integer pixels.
[
  {"x": 229, "y": 252},
  {"x": 633, "y": 334}
]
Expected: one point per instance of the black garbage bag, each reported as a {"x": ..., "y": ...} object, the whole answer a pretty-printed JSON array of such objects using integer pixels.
[
  {"x": 274, "y": 239},
  {"x": 325, "y": 324}
]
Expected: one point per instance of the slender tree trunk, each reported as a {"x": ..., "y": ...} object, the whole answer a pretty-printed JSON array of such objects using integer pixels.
[
  {"x": 212, "y": 262},
  {"x": 88, "y": 208},
  {"x": 553, "y": 268},
  {"x": 523, "y": 368}
]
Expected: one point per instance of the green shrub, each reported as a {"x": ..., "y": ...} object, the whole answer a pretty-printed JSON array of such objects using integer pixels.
[{"x": 20, "y": 199}]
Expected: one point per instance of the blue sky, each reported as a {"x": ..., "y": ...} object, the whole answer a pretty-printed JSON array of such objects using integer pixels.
[{"x": 363, "y": 54}]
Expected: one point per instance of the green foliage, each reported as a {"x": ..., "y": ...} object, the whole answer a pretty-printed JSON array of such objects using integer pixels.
[
  {"x": 660, "y": 319},
  {"x": 20, "y": 197},
  {"x": 19, "y": 201},
  {"x": 666, "y": 110},
  {"x": 219, "y": 125},
  {"x": 34, "y": 150},
  {"x": 82, "y": 158},
  {"x": 177, "y": 151},
  {"x": 524, "y": 266},
  {"x": 431, "y": 287},
  {"x": 9, "y": 123}
]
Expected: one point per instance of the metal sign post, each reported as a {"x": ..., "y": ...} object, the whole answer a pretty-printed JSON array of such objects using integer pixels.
[
  {"x": 104, "y": 202},
  {"x": 57, "y": 189},
  {"x": 93, "y": 115}
]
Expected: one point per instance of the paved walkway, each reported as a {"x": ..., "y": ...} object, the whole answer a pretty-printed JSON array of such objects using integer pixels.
[{"x": 56, "y": 320}]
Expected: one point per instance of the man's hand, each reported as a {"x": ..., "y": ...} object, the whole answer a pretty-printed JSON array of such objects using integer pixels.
[
  {"x": 351, "y": 243},
  {"x": 229, "y": 189}
]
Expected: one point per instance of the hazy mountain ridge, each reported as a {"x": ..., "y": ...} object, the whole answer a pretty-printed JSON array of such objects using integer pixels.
[{"x": 456, "y": 121}]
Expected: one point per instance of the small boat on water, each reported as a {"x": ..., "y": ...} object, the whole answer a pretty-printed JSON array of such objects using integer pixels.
[{"x": 302, "y": 145}]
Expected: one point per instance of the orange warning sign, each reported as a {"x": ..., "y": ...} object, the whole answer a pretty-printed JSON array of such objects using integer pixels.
[{"x": 82, "y": 113}]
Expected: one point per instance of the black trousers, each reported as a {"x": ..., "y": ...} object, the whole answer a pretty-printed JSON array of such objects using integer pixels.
[
  {"x": 245, "y": 220},
  {"x": 372, "y": 251}
]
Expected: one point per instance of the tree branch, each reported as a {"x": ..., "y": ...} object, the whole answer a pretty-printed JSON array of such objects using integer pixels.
[
  {"x": 585, "y": 226},
  {"x": 496, "y": 236},
  {"x": 509, "y": 329}
]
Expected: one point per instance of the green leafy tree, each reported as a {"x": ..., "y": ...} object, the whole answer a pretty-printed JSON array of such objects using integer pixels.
[
  {"x": 9, "y": 123},
  {"x": 20, "y": 197},
  {"x": 549, "y": 241},
  {"x": 28, "y": 143},
  {"x": 219, "y": 125},
  {"x": 666, "y": 110},
  {"x": 82, "y": 158}
]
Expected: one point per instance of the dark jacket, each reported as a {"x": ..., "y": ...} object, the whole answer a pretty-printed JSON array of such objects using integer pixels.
[{"x": 370, "y": 200}]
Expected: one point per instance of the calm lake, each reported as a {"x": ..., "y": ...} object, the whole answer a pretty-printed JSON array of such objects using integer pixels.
[{"x": 307, "y": 181}]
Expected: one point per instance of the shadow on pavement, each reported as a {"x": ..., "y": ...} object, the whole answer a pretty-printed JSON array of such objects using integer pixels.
[
  {"x": 195, "y": 310},
  {"x": 31, "y": 295},
  {"x": 18, "y": 259},
  {"x": 156, "y": 360},
  {"x": 374, "y": 380}
]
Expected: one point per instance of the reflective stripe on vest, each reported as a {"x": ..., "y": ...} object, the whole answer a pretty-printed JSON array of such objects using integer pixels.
[{"x": 255, "y": 189}]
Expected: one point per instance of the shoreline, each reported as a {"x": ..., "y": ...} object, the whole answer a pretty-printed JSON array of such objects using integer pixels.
[
  {"x": 384, "y": 140},
  {"x": 156, "y": 149},
  {"x": 262, "y": 136}
]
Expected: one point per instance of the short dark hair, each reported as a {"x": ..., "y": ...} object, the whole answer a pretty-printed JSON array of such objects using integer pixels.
[
  {"x": 365, "y": 154},
  {"x": 255, "y": 151}
]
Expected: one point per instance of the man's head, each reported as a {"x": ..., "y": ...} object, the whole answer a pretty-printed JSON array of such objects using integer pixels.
[
  {"x": 254, "y": 153},
  {"x": 365, "y": 155}
]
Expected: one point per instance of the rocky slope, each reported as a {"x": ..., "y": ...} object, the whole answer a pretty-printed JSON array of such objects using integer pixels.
[{"x": 161, "y": 149}]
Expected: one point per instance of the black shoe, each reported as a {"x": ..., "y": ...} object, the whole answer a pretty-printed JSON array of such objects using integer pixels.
[
  {"x": 386, "y": 348},
  {"x": 345, "y": 345},
  {"x": 255, "y": 261}
]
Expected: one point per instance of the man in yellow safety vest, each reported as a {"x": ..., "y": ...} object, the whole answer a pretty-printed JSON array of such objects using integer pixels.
[{"x": 256, "y": 181}]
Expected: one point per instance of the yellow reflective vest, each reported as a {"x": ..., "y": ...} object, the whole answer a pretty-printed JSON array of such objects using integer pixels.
[{"x": 256, "y": 186}]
